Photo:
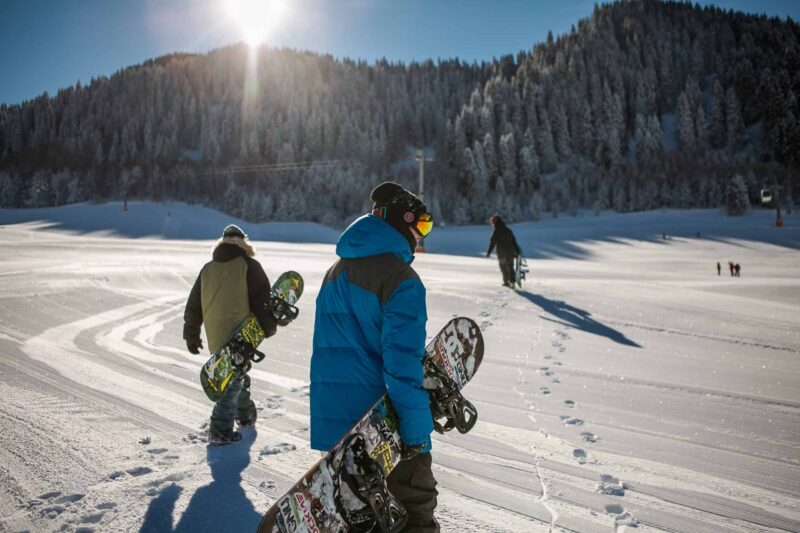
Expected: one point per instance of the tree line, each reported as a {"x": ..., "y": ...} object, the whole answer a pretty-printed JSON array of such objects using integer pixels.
[{"x": 644, "y": 104}]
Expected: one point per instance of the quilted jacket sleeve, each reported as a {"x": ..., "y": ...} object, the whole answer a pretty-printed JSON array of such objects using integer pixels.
[{"x": 403, "y": 343}]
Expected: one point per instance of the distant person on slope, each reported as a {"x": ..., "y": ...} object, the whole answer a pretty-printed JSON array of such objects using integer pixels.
[
  {"x": 719, "y": 269},
  {"x": 228, "y": 289},
  {"x": 507, "y": 249},
  {"x": 369, "y": 339}
]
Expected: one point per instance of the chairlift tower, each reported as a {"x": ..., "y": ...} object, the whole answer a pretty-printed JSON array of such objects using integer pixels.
[
  {"x": 420, "y": 156},
  {"x": 773, "y": 195}
]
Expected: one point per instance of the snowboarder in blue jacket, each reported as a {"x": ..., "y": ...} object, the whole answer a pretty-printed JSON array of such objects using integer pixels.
[{"x": 369, "y": 339}]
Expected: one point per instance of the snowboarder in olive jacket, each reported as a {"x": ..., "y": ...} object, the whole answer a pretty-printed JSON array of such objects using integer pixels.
[
  {"x": 228, "y": 289},
  {"x": 369, "y": 339},
  {"x": 507, "y": 249}
]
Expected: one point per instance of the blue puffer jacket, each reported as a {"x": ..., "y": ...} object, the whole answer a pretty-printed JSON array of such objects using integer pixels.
[{"x": 369, "y": 336}]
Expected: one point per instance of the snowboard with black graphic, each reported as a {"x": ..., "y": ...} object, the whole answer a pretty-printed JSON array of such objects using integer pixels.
[{"x": 346, "y": 490}]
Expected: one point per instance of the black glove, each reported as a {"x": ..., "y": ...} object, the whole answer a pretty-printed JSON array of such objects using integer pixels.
[
  {"x": 409, "y": 451},
  {"x": 194, "y": 345}
]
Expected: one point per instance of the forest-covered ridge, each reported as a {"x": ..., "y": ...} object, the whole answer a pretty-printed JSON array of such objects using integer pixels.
[{"x": 643, "y": 104}]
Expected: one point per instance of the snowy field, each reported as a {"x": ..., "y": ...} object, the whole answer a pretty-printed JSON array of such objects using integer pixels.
[{"x": 626, "y": 386}]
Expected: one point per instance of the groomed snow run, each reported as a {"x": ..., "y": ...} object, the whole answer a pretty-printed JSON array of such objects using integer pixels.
[{"x": 627, "y": 385}]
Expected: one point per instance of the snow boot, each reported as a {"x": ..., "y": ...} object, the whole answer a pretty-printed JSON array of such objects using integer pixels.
[{"x": 221, "y": 439}]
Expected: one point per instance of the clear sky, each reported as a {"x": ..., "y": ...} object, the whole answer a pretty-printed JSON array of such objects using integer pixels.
[{"x": 46, "y": 45}]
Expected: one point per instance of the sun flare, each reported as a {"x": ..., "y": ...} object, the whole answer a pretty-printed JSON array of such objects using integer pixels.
[{"x": 255, "y": 18}]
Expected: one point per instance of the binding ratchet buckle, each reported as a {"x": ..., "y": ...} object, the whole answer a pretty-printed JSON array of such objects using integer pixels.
[
  {"x": 447, "y": 401},
  {"x": 283, "y": 311}
]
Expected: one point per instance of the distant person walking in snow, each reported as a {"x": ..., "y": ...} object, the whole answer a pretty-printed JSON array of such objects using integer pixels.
[
  {"x": 507, "y": 249},
  {"x": 719, "y": 269},
  {"x": 228, "y": 289},
  {"x": 738, "y": 269},
  {"x": 730, "y": 267}
]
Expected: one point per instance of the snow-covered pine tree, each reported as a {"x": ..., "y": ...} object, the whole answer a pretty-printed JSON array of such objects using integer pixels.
[{"x": 737, "y": 200}]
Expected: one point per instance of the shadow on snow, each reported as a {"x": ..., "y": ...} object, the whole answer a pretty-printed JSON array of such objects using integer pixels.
[
  {"x": 222, "y": 505},
  {"x": 569, "y": 315}
]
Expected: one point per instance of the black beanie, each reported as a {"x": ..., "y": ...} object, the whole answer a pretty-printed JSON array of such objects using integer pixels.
[
  {"x": 232, "y": 230},
  {"x": 402, "y": 208}
]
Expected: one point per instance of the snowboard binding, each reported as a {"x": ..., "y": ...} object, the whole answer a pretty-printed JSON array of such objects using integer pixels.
[
  {"x": 243, "y": 354},
  {"x": 283, "y": 311},
  {"x": 447, "y": 402},
  {"x": 365, "y": 480}
]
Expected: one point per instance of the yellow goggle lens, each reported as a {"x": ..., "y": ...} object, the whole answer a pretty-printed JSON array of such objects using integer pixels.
[{"x": 425, "y": 224}]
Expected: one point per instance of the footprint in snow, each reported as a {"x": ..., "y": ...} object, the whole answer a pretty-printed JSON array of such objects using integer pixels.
[
  {"x": 623, "y": 517},
  {"x": 569, "y": 403},
  {"x": 93, "y": 518},
  {"x": 278, "y": 448},
  {"x": 580, "y": 455},
  {"x": 273, "y": 403},
  {"x": 302, "y": 390},
  {"x": 615, "y": 508},
  {"x": 58, "y": 504},
  {"x": 555, "y": 380},
  {"x": 611, "y": 486},
  {"x": 589, "y": 437},
  {"x": 138, "y": 471},
  {"x": 52, "y": 511},
  {"x": 157, "y": 451},
  {"x": 548, "y": 356},
  {"x": 544, "y": 390},
  {"x": 569, "y": 421}
]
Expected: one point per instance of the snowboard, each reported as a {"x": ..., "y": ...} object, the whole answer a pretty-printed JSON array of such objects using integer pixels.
[
  {"x": 242, "y": 345},
  {"x": 521, "y": 265},
  {"x": 346, "y": 490}
]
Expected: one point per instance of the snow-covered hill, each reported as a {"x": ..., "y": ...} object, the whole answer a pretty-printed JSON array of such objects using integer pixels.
[{"x": 626, "y": 384}]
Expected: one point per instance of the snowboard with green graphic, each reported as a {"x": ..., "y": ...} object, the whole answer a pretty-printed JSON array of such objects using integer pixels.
[{"x": 235, "y": 355}]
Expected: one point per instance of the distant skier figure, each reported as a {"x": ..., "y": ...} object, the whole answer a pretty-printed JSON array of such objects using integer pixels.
[
  {"x": 737, "y": 268},
  {"x": 730, "y": 267},
  {"x": 226, "y": 291},
  {"x": 507, "y": 249},
  {"x": 369, "y": 339},
  {"x": 719, "y": 269}
]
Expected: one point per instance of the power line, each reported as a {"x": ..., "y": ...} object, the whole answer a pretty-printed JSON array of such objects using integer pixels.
[{"x": 284, "y": 167}]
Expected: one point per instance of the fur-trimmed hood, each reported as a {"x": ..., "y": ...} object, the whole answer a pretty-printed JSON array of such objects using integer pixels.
[{"x": 227, "y": 248}]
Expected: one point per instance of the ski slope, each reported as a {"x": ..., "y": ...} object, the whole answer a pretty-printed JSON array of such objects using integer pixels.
[{"x": 626, "y": 386}]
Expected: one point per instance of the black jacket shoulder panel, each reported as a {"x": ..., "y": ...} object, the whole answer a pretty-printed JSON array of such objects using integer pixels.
[{"x": 378, "y": 274}]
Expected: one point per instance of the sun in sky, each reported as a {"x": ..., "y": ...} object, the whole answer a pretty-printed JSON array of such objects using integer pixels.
[{"x": 256, "y": 18}]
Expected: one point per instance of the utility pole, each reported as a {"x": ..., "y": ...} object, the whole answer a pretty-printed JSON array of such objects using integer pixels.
[{"x": 420, "y": 156}]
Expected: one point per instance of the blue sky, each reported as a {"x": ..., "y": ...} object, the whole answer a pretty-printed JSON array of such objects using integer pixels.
[{"x": 46, "y": 45}]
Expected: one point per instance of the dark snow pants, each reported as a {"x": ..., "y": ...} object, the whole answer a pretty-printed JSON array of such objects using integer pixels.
[
  {"x": 234, "y": 404},
  {"x": 413, "y": 484},
  {"x": 508, "y": 269}
]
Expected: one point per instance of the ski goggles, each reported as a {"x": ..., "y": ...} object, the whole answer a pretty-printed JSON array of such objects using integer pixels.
[{"x": 424, "y": 224}]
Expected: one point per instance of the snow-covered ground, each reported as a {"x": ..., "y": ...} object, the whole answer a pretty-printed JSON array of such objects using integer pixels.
[{"x": 626, "y": 385}]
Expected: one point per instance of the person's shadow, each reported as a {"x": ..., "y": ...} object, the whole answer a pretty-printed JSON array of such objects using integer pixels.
[
  {"x": 222, "y": 505},
  {"x": 569, "y": 315}
]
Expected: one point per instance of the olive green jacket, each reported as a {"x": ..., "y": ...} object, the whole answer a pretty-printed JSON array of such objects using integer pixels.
[{"x": 226, "y": 291}]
